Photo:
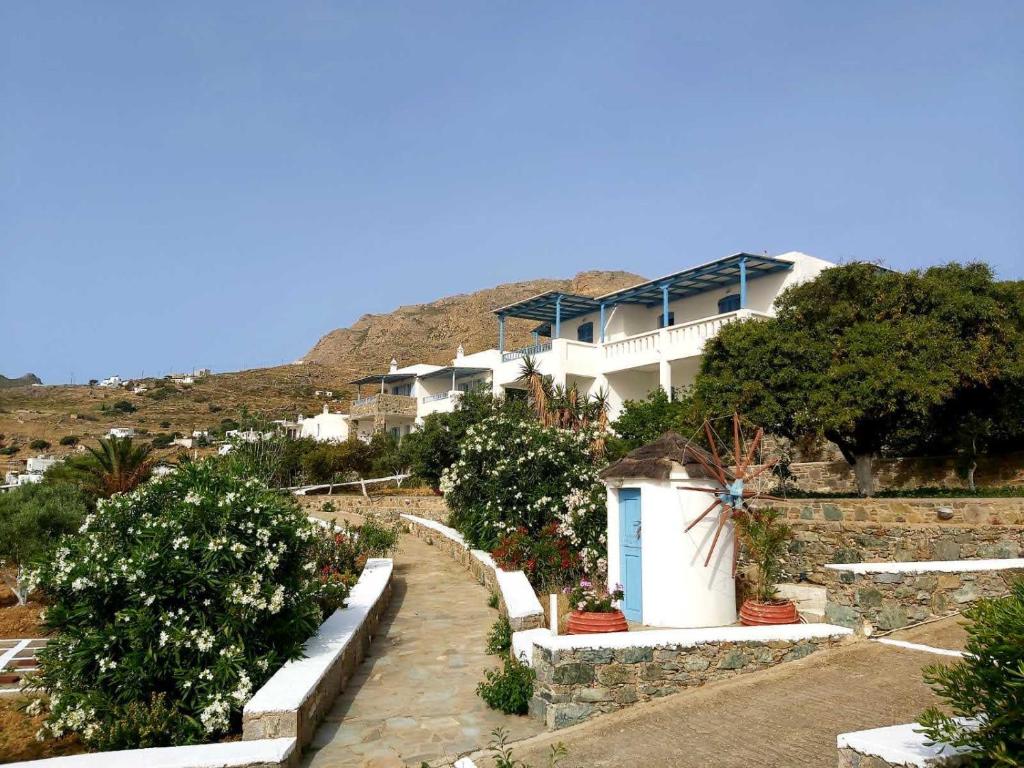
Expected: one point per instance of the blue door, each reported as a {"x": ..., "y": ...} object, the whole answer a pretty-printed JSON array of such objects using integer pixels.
[{"x": 630, "y": 559}]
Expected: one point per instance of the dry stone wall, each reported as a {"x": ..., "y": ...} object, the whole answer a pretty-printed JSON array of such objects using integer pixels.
[
  {"x": 389, "y": 507},
  {"x": 893, "y": 600},
  {"x": 574, "y": 685}
]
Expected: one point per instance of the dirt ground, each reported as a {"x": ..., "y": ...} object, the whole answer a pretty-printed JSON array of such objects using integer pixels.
[
  {"x": 789, "y": 715},
  {"x": 18, "y": 731}
]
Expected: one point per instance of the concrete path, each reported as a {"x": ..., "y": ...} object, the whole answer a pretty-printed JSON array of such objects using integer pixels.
[
  {"x": 789, "y": 715},
  {"x": 413, "y": 698}
]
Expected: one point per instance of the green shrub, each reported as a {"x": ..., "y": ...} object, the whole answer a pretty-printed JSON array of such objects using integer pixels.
[
  {"x": 493, "y": 600},
  {"x": 123, "y": 406},
  {"x": 328, "y": 507},
  {"x": 165, "y": 425},
  {"x": 214, "y": 408},
  {"x": 161, "y": 441},
  {"x": 513, "y": 472},
  {"x": 69, "y": 440},
  {"x": 34, "y": 516},
  {"x": 499, "y": 640},
  {"x": 765, "y": 537},
  {"x": 198, "y": 586},
  {"x": 39, "y": 445},
  {"x": 9, "y": 450},
  {"x": 508, "y": 689},
  {"x": 986, "y": 686}
]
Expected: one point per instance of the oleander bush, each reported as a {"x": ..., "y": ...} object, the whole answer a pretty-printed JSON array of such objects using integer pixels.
[
  {"x": 984, "y": 692},
  {"x": 516, "y": 476},
  {"x": 175, "y": 602}
]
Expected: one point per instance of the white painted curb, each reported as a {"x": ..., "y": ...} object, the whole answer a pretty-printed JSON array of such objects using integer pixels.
[
  {"x": 900, "y": 745},
  {"x": 233, "y": 754}
]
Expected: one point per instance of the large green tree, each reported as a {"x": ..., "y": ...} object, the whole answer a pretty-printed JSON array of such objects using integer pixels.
[
  {"x": 642, "y": 421},
  {"x": 865, "y": 356}
]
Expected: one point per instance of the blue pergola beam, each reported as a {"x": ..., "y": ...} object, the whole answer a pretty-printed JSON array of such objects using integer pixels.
[
  {"x": 743, "y": 283},
  {"x": 558, "y": 317},
  {"x": 664, "y": 305},
  {"x": 501, "y": 333}
]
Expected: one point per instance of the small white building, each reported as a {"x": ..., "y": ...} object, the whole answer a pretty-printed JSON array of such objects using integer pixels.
[
  {"x": 111, "y": 381},
  {"x": 325, "y": 427},
  {"x": 39, "y": 464},
  {"x": 659, "y": 564},
  {"x": 121, "y": 432},
  {"x": 184, "y": 442}
]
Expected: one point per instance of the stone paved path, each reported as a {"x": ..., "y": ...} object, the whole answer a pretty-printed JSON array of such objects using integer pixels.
[
  {"x": 788, "y": 716},
  {"x": 413, "y": 698}
]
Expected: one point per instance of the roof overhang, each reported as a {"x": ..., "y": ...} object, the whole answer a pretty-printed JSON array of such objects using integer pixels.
[
  {"x": 706, "y": 277},
  {"x": 460, "y": 372},
  {"x": 383, "y": 378},
  {"x": 543, "y": 306}
]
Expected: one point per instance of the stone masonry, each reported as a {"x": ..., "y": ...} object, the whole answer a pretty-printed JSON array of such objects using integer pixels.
[
  {"x": 893, "y": 600},
  {"x": 389, "y": 507},
  {"x": 574, "y": 685}
]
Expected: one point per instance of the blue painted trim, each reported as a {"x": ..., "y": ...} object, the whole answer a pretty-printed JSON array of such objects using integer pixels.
[
  {"x": 630, "y": 546},
  {"x": 664, "y": 305},
  {"x": 501, "y": 333},
  {"x": 743, "y": 283},
  {"x": 558, "y": 318},
  {"x": 602, "y": 323},
  {"x": 536, "y": 337}
]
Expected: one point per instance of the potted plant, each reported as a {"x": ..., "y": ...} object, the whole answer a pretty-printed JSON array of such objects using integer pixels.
[
  {"x": 593, "y": 610},
  {"x": 764, "y": 535}
]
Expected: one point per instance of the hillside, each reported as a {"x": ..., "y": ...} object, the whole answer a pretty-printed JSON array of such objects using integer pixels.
[
  {"x": 430, "y": 333},
  {"x": 419, "y": 333},
  {"x": 22, "y": 381}
]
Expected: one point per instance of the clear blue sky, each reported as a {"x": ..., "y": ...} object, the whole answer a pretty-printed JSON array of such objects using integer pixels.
[{"x": 217, "y": 184}]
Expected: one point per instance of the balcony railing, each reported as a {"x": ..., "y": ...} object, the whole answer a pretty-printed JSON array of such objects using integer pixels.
[
  {"x": 533, "y": 349},
  {"x": 683, "y": 340},
  {"x": 435, "y": 398}
]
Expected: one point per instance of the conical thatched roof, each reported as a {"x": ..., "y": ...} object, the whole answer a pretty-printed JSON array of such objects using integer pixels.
[{"x": 656, "y": 461}]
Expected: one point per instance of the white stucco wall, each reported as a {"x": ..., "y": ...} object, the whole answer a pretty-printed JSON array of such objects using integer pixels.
[
  {"x": 326, "y": 427},
  {"x": 678, "y": 589}
]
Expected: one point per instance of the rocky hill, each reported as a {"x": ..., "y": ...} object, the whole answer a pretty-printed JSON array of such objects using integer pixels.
[
  {"x": 22, "y": 381},
  {"x": 430, "y": 333}
]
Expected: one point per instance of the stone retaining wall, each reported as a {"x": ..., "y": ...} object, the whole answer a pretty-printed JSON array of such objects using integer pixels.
[
  {"x": 890, "y": 599},
  {"x": 389, "y": 507},
  {"x": 298, "y": 696},
  {"x": 972, "y": 511},
  {"x": 574, "y": 684},
  {"x": 906, "y": 473},
  {"x": 816, "y": 544}
]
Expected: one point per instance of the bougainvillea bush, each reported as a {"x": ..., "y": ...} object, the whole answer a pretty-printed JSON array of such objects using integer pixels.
[
  {"x": 173, "y": 604},
  {"x": 514, "y": 479}
]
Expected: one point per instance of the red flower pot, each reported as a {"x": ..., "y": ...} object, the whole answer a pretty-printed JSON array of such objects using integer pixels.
[
  {"x": 585, "y": 622},
  {"x": 756, "y": 614}
]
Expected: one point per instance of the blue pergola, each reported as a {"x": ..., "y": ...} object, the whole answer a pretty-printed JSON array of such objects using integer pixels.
[
  {"x": 553, "y": 307},
  {"x": 736, "y": 269},
  {"x": 380, "y": 378},
  {"x": 550, "y": 308},
  {"x": 454, "y": 372}
]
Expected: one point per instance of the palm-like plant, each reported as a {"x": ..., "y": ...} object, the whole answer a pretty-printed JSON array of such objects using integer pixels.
[
  {"x": 538, "y": 387},
  {"x": 116, "y": 466},
  {"x": 765, "y": 536}
]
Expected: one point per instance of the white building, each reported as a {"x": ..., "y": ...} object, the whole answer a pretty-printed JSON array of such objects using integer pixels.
[
  {"x": 325, "y": 427},
  {"x": 121, "y": 432},
  {"x": 626, "y": 343},
  {"x": 39, "y": 464},
  {"x": 111, "y": 381}
]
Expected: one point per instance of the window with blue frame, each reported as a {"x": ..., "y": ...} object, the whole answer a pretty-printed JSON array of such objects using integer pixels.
[
  {"x": 585, "y": 332},
  {"x": 671, "y": 319},
  {"x": 730, "y": 303}
]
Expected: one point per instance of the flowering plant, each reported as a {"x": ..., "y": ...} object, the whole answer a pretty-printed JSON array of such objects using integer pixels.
[
  {"x": 546, "y": 558},
  {"x": 173, "y": 604},
  {"x": 513, "y": 480},
  {"x": 587, "y": 597}
]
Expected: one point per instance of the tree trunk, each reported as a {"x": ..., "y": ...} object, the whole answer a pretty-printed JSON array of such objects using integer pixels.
[
  {"x": 970, "y": 476},
  {"x": 862, "y": 466}
]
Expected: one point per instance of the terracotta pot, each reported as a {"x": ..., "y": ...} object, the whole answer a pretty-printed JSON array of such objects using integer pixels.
[
  {"x": 585, "y": 622},
  {"x": 757, "y": 614}
]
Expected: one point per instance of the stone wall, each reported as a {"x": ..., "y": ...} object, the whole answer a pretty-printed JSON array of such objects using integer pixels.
[
  {"x": 389, "y": 507},
  {"x": 950, "y": 511},
  {"x": 908, "y": 473},
  {"x": 576, "y": 684},
  {"x": 890, "y": 600}
]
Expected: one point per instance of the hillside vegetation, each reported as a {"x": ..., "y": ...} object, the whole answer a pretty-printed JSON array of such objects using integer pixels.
[{"x": 419, "y": 333}]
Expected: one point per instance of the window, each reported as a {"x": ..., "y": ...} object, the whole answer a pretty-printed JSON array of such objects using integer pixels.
[
  {"x": 730, "y": 303},
  {"x": 402, "y": 389},
  {"x": 585, "y": 333},
  {"x": 671, "y": 319}
]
